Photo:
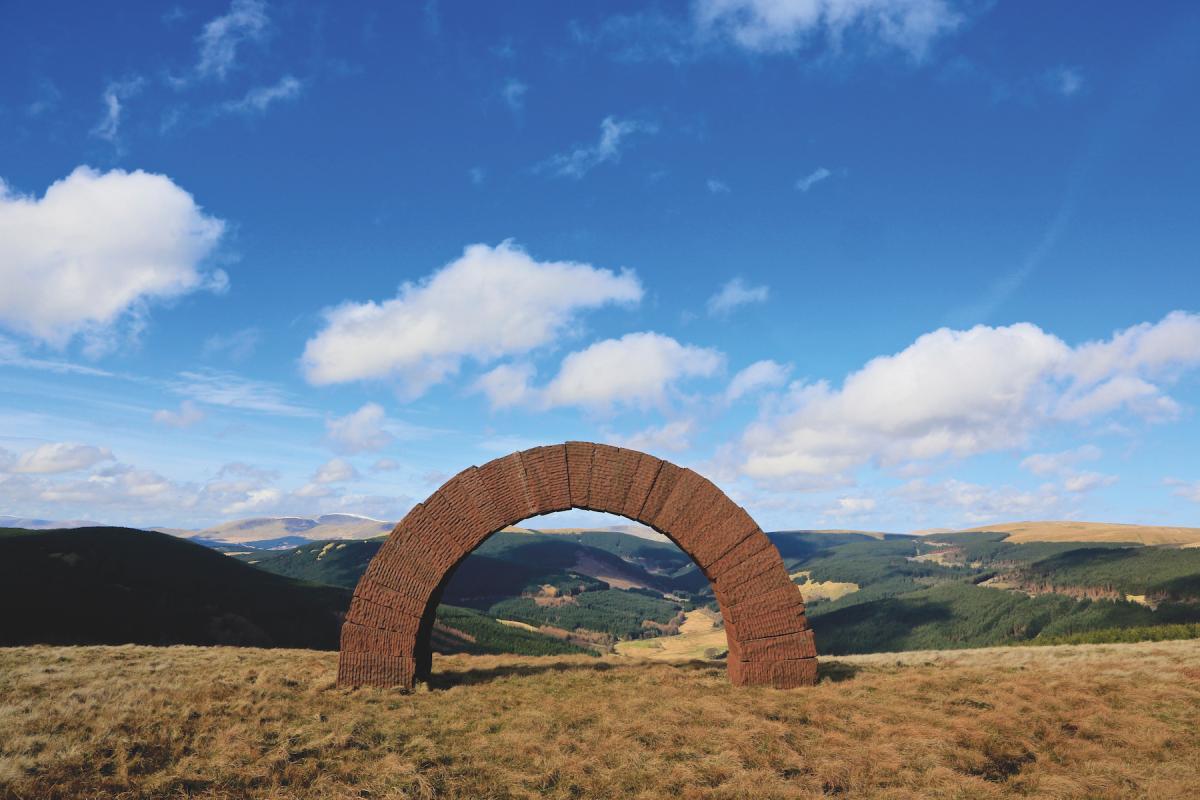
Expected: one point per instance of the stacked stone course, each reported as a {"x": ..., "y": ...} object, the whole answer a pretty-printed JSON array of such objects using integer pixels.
[{"x": 386, "y": 637}]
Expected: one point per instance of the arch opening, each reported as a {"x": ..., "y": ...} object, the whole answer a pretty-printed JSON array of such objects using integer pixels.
[{"x": 386, "y": 638}]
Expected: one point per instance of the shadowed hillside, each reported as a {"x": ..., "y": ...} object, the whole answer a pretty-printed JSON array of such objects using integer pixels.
[{"x": 117, "y": 585}]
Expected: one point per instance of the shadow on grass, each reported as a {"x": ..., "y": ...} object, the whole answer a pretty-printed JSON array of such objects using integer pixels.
[
  {"x": 835, "y": 671},
  {"x": 469, "y": 677},
  {"x": 826, "y": 671}
]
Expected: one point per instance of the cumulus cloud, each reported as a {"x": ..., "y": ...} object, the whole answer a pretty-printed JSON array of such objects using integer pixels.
[
  {"x": 335, "y": 470},
  {"x": 977, "y": 504},
  {"x": 672, "y": 437},
  {"x": 850, "y": 507},
  {"x": 638, "y": 369},
  {"x": 614, "y": 135},
  {"x": 735, "y": 294},
  {"x": 765, "y": 26},
  {"x": 219, "y": 41},
  {"x": 256, "y": 500},
  {"x": 258, "y": 99},
  {"x": 385, "y": 465},
  {"x": 760, "y": 375},
  {"x": 360, "y": 431},
  {"x": 59, "y": 457},
  {"x": 188, "y": 415},
  {"x": 489, "y": 303},
  {"x": 717, "y": 187},
  {"x": 99, "y": 247},
  {"x": 1087, "y": 481},
  {"x": 960, "y": 393},
  {"x": 507, "y": 385},
  {"x": 812, "y": 179}
]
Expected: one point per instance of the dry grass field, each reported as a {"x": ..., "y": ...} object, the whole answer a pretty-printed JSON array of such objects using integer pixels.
[
  {"x": 1066, "y": 531},
  {"x": 1099, "y": 721}
]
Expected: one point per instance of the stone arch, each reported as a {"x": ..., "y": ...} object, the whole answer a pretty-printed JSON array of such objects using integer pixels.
[{"x": 386, "y": 636}]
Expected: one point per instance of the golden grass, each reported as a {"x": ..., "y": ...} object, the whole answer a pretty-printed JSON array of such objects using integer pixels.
[
  {"x": 822, "y": 590},
  {"x": 1101, "y": 721},
  {"x": 1066, "y": 531},
  {"x": 698, "y": 635}
]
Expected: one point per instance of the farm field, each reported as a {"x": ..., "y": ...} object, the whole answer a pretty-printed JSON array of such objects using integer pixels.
[{"x": 1096, "y": 721}]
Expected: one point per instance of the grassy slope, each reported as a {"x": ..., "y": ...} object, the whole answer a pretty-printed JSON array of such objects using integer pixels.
[
  {"x": 1068, "y": 531},
  {"x": 1104, "y": 722},
  {"x": 116, "y": 585},
  {"x": 905, "y": 604}
]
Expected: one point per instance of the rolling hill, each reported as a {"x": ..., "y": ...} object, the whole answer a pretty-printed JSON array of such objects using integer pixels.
[
  {"x": 1067, "y": 531},
  {"x": 119, "y": 585}
]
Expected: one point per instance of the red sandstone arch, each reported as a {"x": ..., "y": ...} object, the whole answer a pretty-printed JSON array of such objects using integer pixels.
[{"x": 386, "y": 636}]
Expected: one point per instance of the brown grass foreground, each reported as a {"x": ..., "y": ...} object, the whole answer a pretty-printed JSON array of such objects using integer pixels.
[{"x": 1098, "y": 721}]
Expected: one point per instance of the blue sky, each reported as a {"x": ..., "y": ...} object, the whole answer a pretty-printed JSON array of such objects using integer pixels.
[{"x": 892, "y": 264}]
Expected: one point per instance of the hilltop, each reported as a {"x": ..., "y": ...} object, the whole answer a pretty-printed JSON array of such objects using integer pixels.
[
  {"x": 1068, "y": 531},
  {"x": 1100, "y": 722}
]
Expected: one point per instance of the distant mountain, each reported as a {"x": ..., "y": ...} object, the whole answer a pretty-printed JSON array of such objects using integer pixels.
[
  {"x": 28, "y": 523},
  {"x": 269, "y": 533}
]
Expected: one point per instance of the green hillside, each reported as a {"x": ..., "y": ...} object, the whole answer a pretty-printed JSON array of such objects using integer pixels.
[{"x": 925, "y": 593}]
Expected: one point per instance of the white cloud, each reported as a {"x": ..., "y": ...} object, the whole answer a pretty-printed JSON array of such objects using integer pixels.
[
  {"x": 237, "y": 346},
  {"x": 359, "y": 431},
  {"x": 1067, "y": 81},
  {"x": 258, "y": 99},
  {"x": 59, "y": 457},
  {"x": 1061, "y": 462},
  {"x": 477, "y": 175},
  {"x": 109, "y": 126},
  {"x": 960, "y": 393},
  {"x": 763, "y": 26},
  {"x": 1188, "y": 490},
  {"x": 219, "y": 388},
  {"x": 850, "y": 507},
  {"x": 1087, "y": 481},
  {"x": 507, "y": 385},
  {"x": 513, "y": 93},
  {"x": 717, "y": 187},
  {"x": 99, "y": 247},
  {"x": 335, "y": 470},
  {"x": 765, "y": 374},
  {"x": 639, "y": 369},
  {"x": 812, "y": 179},
  {"x": 385, "y": 465},
  {"x": 489, "y": 303},
  {"x": 673, "y": 437},
  {"x": 614, "y": 134},
  {"x": 734, "y": 294},
  {"x": 977, "y": 505},
  {"x": 188, "y": 415},
  {"x": 256, "y": 500},
  {"x": 245, "y": 21}
]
